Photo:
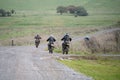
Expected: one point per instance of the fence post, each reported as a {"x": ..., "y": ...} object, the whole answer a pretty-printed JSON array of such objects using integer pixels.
[{"x": 12, "y": 42}]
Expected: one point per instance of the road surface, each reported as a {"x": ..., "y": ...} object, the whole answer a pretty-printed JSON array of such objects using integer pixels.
[{"x": 30, "y": 63}]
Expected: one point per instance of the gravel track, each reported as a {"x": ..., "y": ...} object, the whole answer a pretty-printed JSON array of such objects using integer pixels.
[{"x": 30, "y": 63}]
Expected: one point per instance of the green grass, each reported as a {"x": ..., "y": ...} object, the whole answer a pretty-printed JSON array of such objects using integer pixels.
[
  {"x": 51, "y": 5},
  {"x": 39, "y": 16},
  {"x": 98, "y": 69}
]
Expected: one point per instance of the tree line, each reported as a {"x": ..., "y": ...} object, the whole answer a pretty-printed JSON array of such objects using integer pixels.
[
  {"x": 4, "y": 13},
  {"x": 76, "y": 10}
]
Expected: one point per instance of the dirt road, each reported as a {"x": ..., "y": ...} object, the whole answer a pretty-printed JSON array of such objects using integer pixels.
[{"x": 30, "y": 63}]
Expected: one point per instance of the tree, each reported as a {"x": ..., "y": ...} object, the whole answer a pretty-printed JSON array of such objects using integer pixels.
[
  {"x": 2, "y": 12},
  {"x": 80, "y": 11},
  {"x": 75, "y": 10},
  {"x": 12, "y": 11},
  {"x": 8, "y": 13},
  {"x": 61, "y": 10},
  {"x": 71, "y": 9}
]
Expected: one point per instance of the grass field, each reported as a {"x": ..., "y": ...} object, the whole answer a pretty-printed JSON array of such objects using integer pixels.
[
  {"x": 39, "y": 17},
  {"x": 98, "y": 69}
]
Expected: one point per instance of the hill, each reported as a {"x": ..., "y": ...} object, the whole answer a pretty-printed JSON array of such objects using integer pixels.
[
  {"x": 39, "y": 17},
  {"x": 98, "y": 5}
]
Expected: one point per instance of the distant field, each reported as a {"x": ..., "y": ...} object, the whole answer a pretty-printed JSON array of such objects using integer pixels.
[{"x": 40, "y": 17}]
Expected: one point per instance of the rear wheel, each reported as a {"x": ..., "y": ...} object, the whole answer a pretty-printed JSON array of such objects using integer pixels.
[
  {"x": 67, "y": 49},
  {"x": 37, "y": 42},
  {"x": 36, "y": 46},
  {"x": 66, "y": 52},
  {"x": 50, "y": 48},
  {"x": 50, "y": 51}
]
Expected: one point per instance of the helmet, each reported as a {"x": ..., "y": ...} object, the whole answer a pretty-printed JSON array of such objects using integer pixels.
[
  {"x": 37, "y": 34},
  {"x": 87, "y": 38},
  {"x": 51, "y": 35},
  {"x": 66, "y": 34}
]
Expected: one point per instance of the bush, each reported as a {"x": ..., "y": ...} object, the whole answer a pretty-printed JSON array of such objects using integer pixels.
[
  {"x": 61, "y": 10},
  {"x": 71, "y": 9},
  {"x": 80, "y": 11},
  {"x": 76, "y": 10},
  {"x": 8, "y": 13},
  {"x": 12, "y": 11},
  {"x": 4, "y": 13}
]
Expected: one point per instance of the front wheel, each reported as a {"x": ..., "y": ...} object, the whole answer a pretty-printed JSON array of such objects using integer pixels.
[
  {"x": 51, "y": 51},
  {"x": 65, "y": 49},
  {"x": 37, "y": 42},
  {"x": 51, "y": 48}
]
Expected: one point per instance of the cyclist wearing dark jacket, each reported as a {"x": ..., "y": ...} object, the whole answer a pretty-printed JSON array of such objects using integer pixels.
[
  {"x": 51, "y": 39},
  {"x": 37, "y": 40},
  {"x": 37, "y": 37},
  {"x": 66, "y": 38},
  {"x": 66, "y": 43}
]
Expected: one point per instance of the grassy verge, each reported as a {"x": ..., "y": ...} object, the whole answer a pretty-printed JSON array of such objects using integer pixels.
[{"x": 98, "y": 69}]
